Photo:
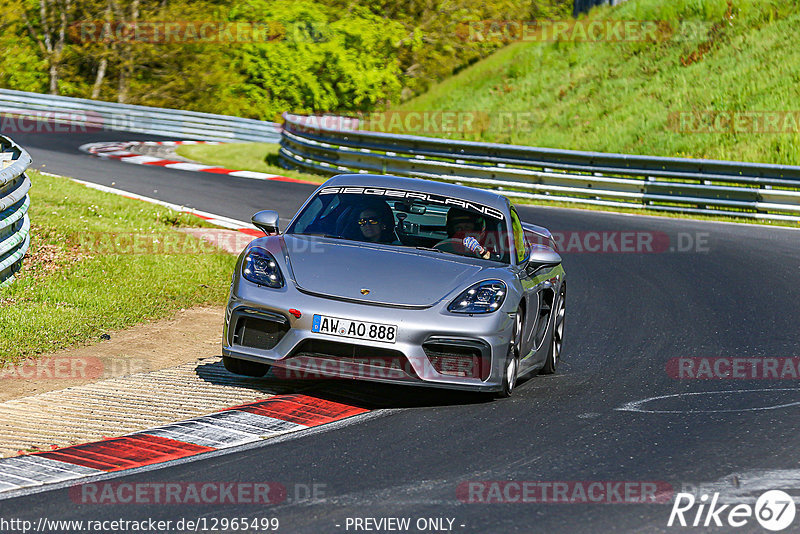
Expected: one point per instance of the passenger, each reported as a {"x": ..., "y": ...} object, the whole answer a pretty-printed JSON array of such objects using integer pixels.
[{"x": 376, "y": 224}]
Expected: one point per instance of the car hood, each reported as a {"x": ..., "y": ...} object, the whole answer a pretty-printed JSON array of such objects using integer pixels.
[{"x": 404, "y": 277}]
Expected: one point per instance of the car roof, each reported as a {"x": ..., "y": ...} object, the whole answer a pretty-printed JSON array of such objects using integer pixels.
[{"x": 480, "y": 196}]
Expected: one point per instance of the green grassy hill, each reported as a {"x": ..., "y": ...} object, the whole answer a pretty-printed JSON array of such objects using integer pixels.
[{"x": 733, "y": 56}]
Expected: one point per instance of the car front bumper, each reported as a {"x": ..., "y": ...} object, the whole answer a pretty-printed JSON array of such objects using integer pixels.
[{"x": 433, "y": 347}]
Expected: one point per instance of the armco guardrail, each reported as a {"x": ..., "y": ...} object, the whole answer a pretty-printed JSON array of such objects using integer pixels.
[
  {"x": 14, "y": 201},
  {"x": 697, "y": 186},
  {"x": 94, "y": 115}
]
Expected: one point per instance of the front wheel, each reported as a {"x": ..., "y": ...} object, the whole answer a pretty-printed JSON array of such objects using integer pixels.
[
  {"x": 511, "y": 367},
  {"x": 557, "y": 338},
  {"x": 245, "y": 367}
]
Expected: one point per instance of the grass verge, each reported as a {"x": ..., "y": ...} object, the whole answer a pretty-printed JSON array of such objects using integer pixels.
[
  {"x": 100, "y": 262},
  {"x": 725, "y": 58},
  {"x": 258, "y": 157}
]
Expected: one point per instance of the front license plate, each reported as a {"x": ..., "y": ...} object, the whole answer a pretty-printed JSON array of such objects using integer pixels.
[{"x": 336, "y": 326}]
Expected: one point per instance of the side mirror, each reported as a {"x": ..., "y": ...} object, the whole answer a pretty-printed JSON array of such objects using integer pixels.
[
  {"x": 267, "y": 221},
  {"x": 540, "y": 256}
]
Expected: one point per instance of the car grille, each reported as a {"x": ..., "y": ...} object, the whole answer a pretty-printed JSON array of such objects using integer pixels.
[{"x": 354, "y": 359}]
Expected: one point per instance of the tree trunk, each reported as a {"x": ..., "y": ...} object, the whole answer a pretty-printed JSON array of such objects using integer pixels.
[
  {"x": 126, "y": 54},
  {"x": 123, "y": 83},
  {"x": 98, "y": 81},
  {"x": 51, "y": 42},
  {"x": 101, "y": 68},
  {"x": 53, "y": 71},
  {"x": 58, "y": 50}
]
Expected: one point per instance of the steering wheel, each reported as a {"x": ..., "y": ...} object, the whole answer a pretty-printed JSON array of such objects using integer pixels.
[{"x": 454, "y": 245}]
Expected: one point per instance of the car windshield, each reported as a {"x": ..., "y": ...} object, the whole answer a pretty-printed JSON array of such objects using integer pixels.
[{"x": 406, "y": 219}]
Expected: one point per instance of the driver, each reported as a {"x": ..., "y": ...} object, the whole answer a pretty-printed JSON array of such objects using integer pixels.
[
  {"x": 462, "y": 223},
  {"x": 466, "y": 233}
]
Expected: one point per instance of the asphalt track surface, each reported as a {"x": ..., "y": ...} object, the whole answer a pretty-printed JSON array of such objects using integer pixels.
[{"x": 628, "y": 314}]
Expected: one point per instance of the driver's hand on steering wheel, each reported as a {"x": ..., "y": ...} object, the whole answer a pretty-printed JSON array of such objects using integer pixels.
[{"x": 472, "y": 244}]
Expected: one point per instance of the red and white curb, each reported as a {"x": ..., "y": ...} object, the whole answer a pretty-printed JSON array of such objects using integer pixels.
[
  {"x": 239, "y": 425},
  {"x": 122, "y": 152}
]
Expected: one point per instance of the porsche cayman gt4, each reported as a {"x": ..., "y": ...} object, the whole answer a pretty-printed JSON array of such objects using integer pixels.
[{"x": 398, "y": 280}]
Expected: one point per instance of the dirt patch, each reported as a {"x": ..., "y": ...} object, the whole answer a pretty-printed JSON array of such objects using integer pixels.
[
  {"x": 49, "y": 253},
  {"x": 190, "y": 335},
  {"x": 715, "y": 34}
]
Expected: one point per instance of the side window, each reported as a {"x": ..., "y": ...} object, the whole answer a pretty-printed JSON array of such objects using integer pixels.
[
  {"x": 519, "y": 236},
  {"x": 308, "y": 216},
  {"x": 331, "y": 206}
]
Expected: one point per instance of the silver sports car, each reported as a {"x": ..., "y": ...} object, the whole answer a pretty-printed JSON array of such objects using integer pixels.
[{"x": 398, "y": 280}]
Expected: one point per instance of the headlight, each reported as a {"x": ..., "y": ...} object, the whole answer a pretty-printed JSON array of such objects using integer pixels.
[
  {"x": 483, "y": 297},
  {"x": 260, "y": 267}
]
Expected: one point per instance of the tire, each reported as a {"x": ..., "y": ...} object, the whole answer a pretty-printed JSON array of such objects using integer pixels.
[
  {"x": 245, "y": 367},
  {"x": 511, "y": 366},
  {"x": 557, "y": 336}
]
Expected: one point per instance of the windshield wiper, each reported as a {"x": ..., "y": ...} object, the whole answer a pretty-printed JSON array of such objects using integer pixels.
[{"x": 430, "y": 249}]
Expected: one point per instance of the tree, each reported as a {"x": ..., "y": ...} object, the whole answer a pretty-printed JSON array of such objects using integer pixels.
[
  {"x": 127, "y": 15},
  {"x": 47, "y": 24},
  {"x": 333, "y": 55},
  {"x": 326, "y": 60}
]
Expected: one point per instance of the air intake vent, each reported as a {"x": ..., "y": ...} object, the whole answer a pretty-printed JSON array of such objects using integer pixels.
[
  {"x": 463, "y": 359},
  {"x": 259, "y": 333}
]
